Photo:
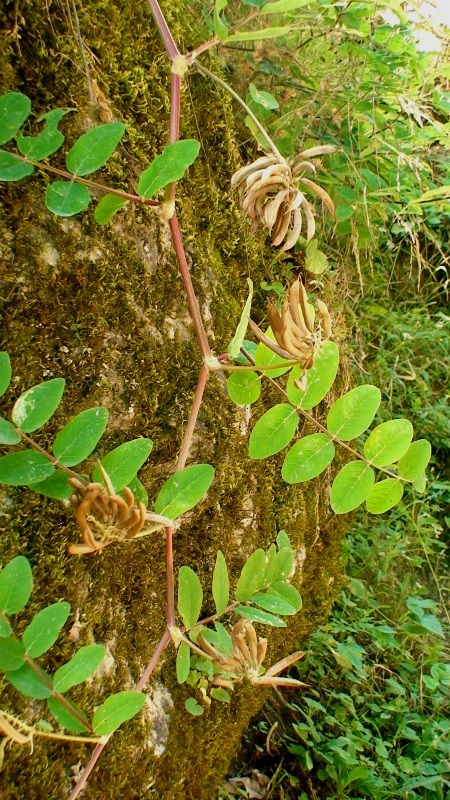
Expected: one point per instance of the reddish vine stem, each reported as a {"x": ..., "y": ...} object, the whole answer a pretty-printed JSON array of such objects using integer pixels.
[
  {"x": 163, "y": 28},
  {"x": 187, "y": 440},
  {"x": 170, "y": 585},
  {"x": 189, "y": 289}
]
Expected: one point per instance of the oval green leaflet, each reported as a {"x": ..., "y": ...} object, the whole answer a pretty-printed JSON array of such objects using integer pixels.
[
  {"x": 258, "y": 615},
  {"x": 108, "y": 206},
  {"x": 388, "y": 442},
  {"x": 273, "y": 431},
  {"x": 12, "y": 654},
  {"x": 169, "y": 166},
  {"x": 65, "y": 718},
  {"x": 351, "y": 486},
  {"x": 116, "y": 710},
  {"x": 12, "y": 168},
  {"x": 190, "y": 596},
  {"x": 24, "y": 468},
  {"x": 15, "y": 108},
  {"x": 415, "y": 460},
  {"x": 244, "y": 387},
  {"x": 35, "y": 406},
  {"x": 5, "y": 372},
  {"x": 352, "y": 414},
  {"x": 307, "y": 458},
  {"x": 319, "y": 379},
  {"x": 184, "y": 490},
  {"x": 79, "y": 668},
  {"x": 122, "y": 463},
  {"x": 183, "y": 663},
  {"x": 220, "y": 584},
  {"x": 65, "y": 199},
  {"x": 30, "y": 683},
  {"x": 193, "y": 707},
  {"x": 93, "y": 149},
  {"x": 80, "y": 436},
  {"x": 44, "y": 628},
  {"x": 8, "y": 433},
  {"x": 16, "y": 584},
  {"x": 252, "y": 577},
  {"x": 48, "y": 141},
  {"x": 384, "y": 495}
]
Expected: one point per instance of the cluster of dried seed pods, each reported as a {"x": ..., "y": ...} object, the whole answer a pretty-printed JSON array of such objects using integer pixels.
[
  {"x": 103, "y": 516},
  {"x": 246, "y": 660},
  {"x": 269, "y": 195},
  {"x": 297, "y": 336}
]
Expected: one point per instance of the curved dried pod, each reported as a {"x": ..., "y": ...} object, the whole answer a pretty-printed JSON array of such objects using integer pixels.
[
  {"x": 103, "y": 516},
  {"x": 297, "y": 335},
  {"x": 324, "y": 196}
]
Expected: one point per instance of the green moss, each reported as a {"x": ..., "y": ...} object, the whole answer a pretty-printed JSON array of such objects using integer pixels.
[{"x": 104, "y": 308}]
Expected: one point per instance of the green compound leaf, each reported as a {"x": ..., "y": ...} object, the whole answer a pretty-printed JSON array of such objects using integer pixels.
[
  {"x": 24, "y": 468},
  {"x": 12, "y": 654},
  {"x": 252, "y": 577},
  {"x": 308, "y": 458},
  {"x": 273, "y": 431},
  {"x": 48, "y": 141},
  {"x": 388, "y": 442},
  {"x": 219, "y": 693},
  {"x": 93, "y": 149},
  {"x": 288, "y": 593},
  {"x": 193, "y": 707},
  {"x": 244, "y": 387},
  {"x": 183, "y": 664},
  {"x": 190, "y": 596},
  {"x": 123, "y": 462},
  {"x": 264, "y": 356},
  {"x": 256, "y": 36},
  {"x": 108, "y": 206},
  {"x": 16, "y": 584},
  {"x": 44, "y": 628},
  {"x": 236, "y": 343},
  {"x": 320, "y": 378},
  {"x": 31, "y": 684},
  {"x": 116, "y": 710},
  {"x": 35, "y": 406},
  {"x": 264, "y": 99},
  {"x": 352, "y": 414},
  {"x": 283, "y": 540},
  {"x": 282, "y": 6},
  {"x": 65, "y": 199},
  {"x": 169, "y": 166},
  {"x": 79, "y": 668},
  {"x": 8, "y": 433},
  {"x": 415, "y": 460},
  {"x": 220, "y": 584},
  {"x": 384, "y": 495},
  {"x": 65, "y": 718},
  {"x": 5, "y": 372},
  {"x": 12, "y": 168},
  {"x": 273, "y": 602},
  {"x": 56, "y": 486},
  {"x": 351, "y": 486},
  {"x": 15, "y": 108},
  {"x": 184, "y": 490},
  {"x": 79, "y": 437},
  {"x": 257, "y": 615}
]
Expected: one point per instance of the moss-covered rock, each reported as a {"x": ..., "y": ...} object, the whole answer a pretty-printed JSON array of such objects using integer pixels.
[{"x": 104, "y": 308}]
